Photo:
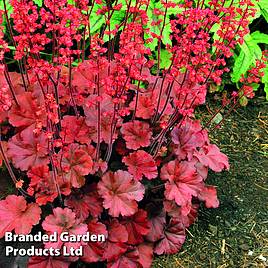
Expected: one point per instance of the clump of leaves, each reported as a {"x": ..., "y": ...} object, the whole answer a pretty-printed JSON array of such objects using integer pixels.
[{"x": 104, "y": 136}]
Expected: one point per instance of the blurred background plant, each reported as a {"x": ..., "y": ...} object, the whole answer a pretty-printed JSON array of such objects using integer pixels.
[{"x": 245, "y": 54}]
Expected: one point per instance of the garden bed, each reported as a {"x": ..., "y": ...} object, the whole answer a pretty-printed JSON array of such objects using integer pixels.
[{"x": 235, "y": 234}]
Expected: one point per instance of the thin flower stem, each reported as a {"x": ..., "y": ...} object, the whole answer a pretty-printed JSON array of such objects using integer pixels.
[
  {"x": 70, "y": 87},
  {"x": 14, "y": 43},
  {"x": 10, "y": 171},
  {"x": 98, "y": 119},
  {"x": 12, "y": 90}
]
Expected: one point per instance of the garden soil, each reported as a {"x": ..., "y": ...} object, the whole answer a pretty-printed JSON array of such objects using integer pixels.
[{"x": 235, "y": 234}]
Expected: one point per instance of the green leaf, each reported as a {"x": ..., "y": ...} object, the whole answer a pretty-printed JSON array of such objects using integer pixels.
[
  {"x": 243, "y": 101},
  {"x": 38, "y": 2},
  {"x": 263, "y": 6},
  {"x": 255, "y": 86},
  {"x": 265, "y": 81},
  {"x": 157, "y": 28},
  {"x": 266, "y": 90},
  {"x": 260, "y": 38},
  {"x": 165, "y": 60},
  {"x": 214, "y": 29},
  {"x": 9, "y": 7},
  {"x": 250, "y": 51},
  {"x": 96, "y": 21},
  {"x": 217, "y": 118},
  {"x": 116, "y": 19},
  {"x": 9, "y": 11}
]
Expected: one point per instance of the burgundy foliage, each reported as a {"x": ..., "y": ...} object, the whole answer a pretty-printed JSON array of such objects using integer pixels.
[{"x": 103, "y": 138}]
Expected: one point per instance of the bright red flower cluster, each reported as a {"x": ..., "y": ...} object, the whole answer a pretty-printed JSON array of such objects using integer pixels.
[{"x": 105, "y": 139}]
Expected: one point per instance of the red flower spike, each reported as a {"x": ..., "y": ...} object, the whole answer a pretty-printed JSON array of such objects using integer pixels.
[
  {"x": 183, "y": 181},
  {"x": 14, "y": 211},
  {"x": 77, "y": 113},
  {"x": 172, "y": 238},
  {"x": 120, "y": 193},
  {"x": 136, "y": 134},
  {"x": 141, "y": 163}
]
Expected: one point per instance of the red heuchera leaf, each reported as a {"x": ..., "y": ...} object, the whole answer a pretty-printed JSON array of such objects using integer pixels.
[
  {"x": 200, "y": 169},
  {"x": 175, "y": 211},
  {"x": 191, "y": 94},
  {"x": 129, "y": 259},
  {"x": 172, "y": 238},
  {"x": 27, "y": 149},
  {"x": 117, "y": 232},
  {"x": 120, "y": 147},
  {"x": 100, "y": 165},
  {"x": 156, "y": 225},
  {"x": 183, "y": 181},
  {"x": 120, "y": 193},
  {"x": 209, "y": 195},
  {"x": 145, "y": 254},
  {"x": 147, "y": 104},
  {"x": 50, "y": 262},
  {"x": 44, "y": 186},
  {"x": 29, "y": 112},
  {"x": 93, "y": 251},
  {"x": 105, "y": 126},
  {"x": 116, "y": 243},
  {"x": 187, "y": 137},
  {"x": 84, "y": 76},
  {"x": 16, "y": 215},
  {"x": 16, "y": 82},
  {"x": 75, "y": 129},
  {"x": 63, "y": 220},
  {"x": 3, "y": 116},
  {"x": 137, "y": 227},
  {"x": 136, "y": 134},
  {"x": 76, "y": 163},
  {"x": 141, "y": 163},
  {"x": 106, "y": 112},
  {"x": 83, "y": 79},
  {"x": 86, "y": 204},
  {"x": 210, "y": 156}
]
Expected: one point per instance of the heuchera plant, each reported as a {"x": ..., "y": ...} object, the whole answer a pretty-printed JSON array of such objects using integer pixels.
[{"x": 97, "y": 137}]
